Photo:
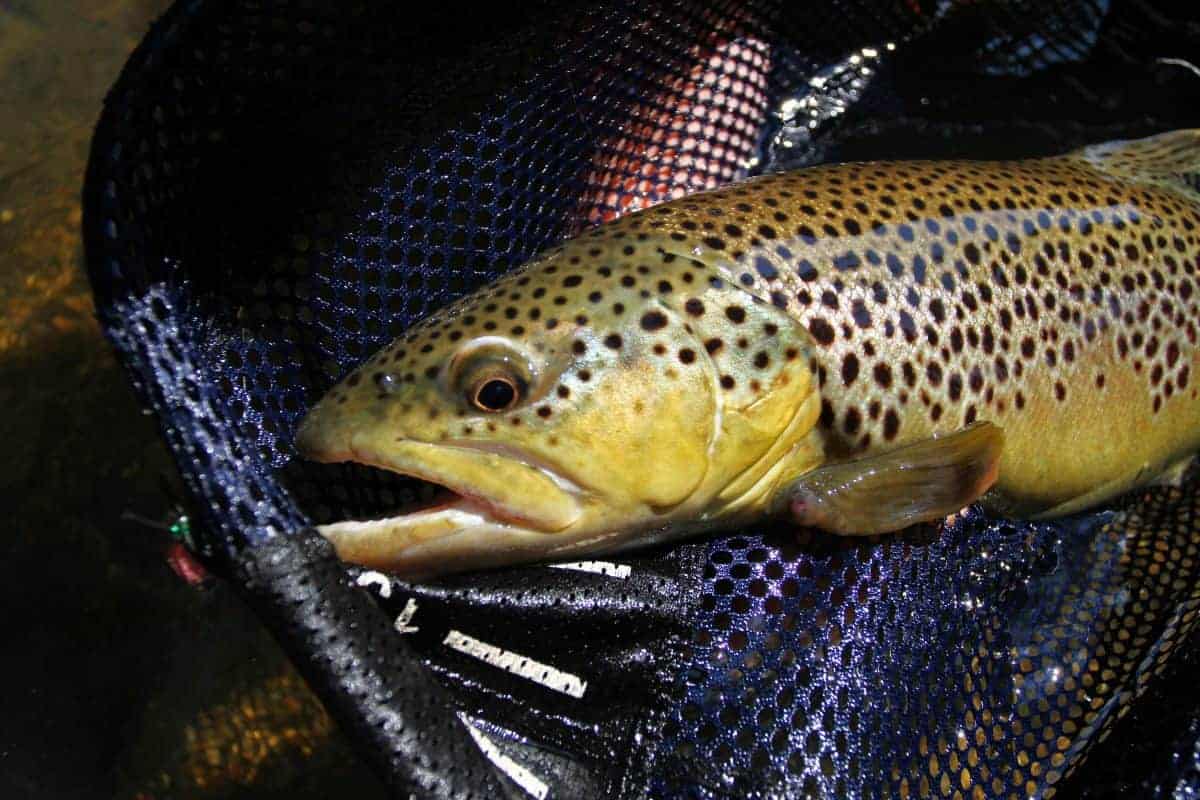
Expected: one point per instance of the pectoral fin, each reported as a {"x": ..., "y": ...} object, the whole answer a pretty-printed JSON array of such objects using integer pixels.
[{"x": 924, "y": 481}]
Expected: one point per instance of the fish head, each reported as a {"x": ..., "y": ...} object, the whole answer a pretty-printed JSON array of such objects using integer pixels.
[{"x": 594, "y": 398}]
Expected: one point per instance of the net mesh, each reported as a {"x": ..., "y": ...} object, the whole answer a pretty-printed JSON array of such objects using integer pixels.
[{"x": 279, "y": 187}]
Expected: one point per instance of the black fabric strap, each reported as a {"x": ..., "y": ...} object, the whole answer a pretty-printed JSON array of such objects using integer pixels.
[{"x": 388, "y": 704}]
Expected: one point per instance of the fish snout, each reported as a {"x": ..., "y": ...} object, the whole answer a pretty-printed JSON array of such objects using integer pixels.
[{"x": 324, "y": 434}]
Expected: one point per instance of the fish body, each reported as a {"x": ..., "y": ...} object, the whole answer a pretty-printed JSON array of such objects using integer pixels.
[{"x": 834, "y": 341}]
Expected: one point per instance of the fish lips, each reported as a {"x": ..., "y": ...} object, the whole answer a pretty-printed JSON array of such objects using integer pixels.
[
  {"x": 506, "y": 509},
  {"x": 508, "y": 489},
  {"x": 435, "y": 542}
]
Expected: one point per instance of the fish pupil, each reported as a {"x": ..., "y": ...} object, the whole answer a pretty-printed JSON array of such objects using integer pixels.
[{"x": 496, "y": 395}]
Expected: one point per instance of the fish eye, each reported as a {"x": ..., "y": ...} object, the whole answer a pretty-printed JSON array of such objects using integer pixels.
[
  {"x": 490, "y": 376},
  {"x": 495, "y": 393}
]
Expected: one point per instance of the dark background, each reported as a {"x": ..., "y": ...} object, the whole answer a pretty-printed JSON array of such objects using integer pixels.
[{"x": 120, "y": 679}]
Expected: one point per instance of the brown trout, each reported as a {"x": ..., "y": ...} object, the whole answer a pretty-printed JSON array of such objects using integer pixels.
[{"x": 858, "y": 346}]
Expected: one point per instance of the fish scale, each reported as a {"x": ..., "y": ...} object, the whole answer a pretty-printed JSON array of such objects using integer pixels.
[{"x": 691, "y": 362}]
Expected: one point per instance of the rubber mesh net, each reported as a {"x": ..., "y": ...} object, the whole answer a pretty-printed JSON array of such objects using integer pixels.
[{"x": 279, "y": 187}]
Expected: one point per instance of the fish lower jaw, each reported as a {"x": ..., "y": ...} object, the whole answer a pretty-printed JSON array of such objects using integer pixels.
[
  {"x": 432, "y": 541},
  {"x": 461, "y": 536},
  {"x": 455, "y": 512},
  {"x": 418, "y": 525}
]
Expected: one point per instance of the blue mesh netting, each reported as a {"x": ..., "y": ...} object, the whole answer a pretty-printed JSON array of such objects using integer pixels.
[{"x": 278, "y": 188}]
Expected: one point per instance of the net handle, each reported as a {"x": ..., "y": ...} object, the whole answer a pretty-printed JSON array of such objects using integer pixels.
[{"x": 389, "y": 705}]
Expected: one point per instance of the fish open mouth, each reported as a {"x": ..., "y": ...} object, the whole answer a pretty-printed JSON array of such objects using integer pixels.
[{"x": 489, "y": 505}]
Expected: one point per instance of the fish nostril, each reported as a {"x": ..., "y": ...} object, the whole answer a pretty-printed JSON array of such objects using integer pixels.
[{"x": 387, "y": 383}]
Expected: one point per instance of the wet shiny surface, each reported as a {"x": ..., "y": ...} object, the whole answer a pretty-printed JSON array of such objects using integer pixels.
[{"x": 126, "y": 682}]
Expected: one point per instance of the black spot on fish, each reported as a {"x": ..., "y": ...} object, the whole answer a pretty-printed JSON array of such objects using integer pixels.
[
  {"x": 846, "y": 261},
  {"x": 654, "y": 320},
  {"x": 849, "y": 369},
  {"x": 765, "y": 268},
  {"x": 862, "y": 317},
  {"x": 919, "y": 270},
  {"x": 827, "y": 415},
  {"x": 955, "y": 386},
  {"x": 891, "y": 424},
  {"x": 821, "y": 331}
]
